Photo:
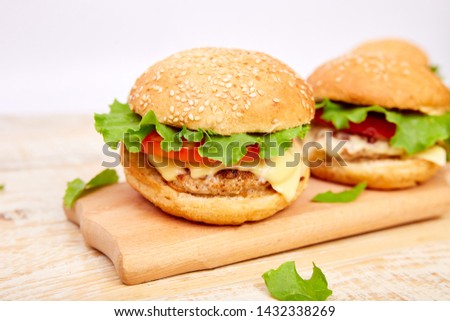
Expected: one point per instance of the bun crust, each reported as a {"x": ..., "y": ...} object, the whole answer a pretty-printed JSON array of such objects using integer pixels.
[
  {"x": 225, "y": 90},
  {"x": 381, "y": 174},
  {"x": 371, "y": 79},
  {"x": 380, "y": 80},
  {"x": 218, "y": 210},
  {"x": 398, "y": 48}
]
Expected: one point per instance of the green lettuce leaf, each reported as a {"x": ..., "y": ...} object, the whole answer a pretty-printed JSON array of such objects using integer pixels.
[
  {"x": 116, "y": 123},
  {"x": 446, "y": 144},
  {"x": 272, "y": 144},
  {"x": 342, "y": 197},
  {"x": 121, "y": 124},
  {"x": 77, "y": 187},
  {"x": 227, "y": 149},
  {"x": 435, "y": 70},
  {"x": 2, "y": 187},
  {"x": 286, "y": 284},
  {"x": 414, "y": 133}
]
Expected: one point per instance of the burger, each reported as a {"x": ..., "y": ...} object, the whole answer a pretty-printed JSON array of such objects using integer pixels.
[
  {"x": 384, "y": 117},
  {"x": 213, "y": 135}
]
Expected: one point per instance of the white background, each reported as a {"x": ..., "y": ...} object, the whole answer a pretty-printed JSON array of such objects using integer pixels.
[{"x": 77, "y": 56}]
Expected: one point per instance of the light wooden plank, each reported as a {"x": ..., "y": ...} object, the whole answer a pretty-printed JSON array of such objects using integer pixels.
[{"x": 43, "y": 256}]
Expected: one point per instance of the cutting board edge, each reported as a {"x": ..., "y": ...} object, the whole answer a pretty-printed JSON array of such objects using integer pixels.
[{"x": 85, "y": 224}]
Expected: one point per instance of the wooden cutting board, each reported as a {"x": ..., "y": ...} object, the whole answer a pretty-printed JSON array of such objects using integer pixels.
[{"x": 145, "y": 244}]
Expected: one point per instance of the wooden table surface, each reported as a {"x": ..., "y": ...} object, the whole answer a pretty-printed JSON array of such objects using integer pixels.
[{"x": 43, "y": 256}]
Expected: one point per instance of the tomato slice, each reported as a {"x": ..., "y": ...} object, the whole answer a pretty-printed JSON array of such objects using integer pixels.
[
  {"x": 373, "y": 126},
  {"x": 189, "y": 151},
  {"x": 252, "y": 154}
]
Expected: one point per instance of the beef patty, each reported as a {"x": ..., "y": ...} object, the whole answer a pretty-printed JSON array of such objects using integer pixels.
[{"x": 227, "y": 182}]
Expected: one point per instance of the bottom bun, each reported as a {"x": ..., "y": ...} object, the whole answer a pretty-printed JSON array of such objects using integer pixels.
[
  {"x": 218, "y": 210},
  {"x": 382, "y": 174}
]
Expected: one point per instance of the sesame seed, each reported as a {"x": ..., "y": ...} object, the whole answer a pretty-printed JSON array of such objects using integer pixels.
[
  {"x": 235, "y": 107},
  {"x": 172, "y": 109},
  {"x": 276, "y": 100},
  {"x": 172, "y": 93},
  {"x": 191, "y": 117},
  {"x": 252, "y": 95},
  {"x": 191, "y": 102},
  {"x": 274, "y": 121},
  {"x": 176, "y": 119},
  {"x": 201, "y": 109},
  {"x": 338, "y": 79},
  {"x": 197, "y": 117},
  {"x": 238, "y": 114},
  {"x": 186, "y": 108}
]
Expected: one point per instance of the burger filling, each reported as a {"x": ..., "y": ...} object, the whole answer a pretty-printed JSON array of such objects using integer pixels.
[
  {"x": 281, "y": 174},
  {"x": 377, "y": 133},
  {"x": 203, "y": 162}
]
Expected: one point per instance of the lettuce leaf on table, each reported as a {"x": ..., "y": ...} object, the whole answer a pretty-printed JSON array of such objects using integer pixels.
[
  {"x": 286, "y": 284},
  {"x": 341, "y": 197},
  {"x": 78, "y": 187}
]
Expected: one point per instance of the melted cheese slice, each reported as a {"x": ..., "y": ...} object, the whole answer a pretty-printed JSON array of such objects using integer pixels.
[
  {"x": 282, "y": 172},
  {"x": 435, "y": 154}
]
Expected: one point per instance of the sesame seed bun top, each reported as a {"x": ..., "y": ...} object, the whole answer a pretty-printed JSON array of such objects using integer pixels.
[
  {"x": 377, "y": 79},
  {"x": 400, "y": 49},
  {"x": 225, "y": 90}
]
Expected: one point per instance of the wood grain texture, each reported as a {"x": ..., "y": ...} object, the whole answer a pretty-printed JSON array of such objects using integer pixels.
[
  {"x": 146, "y": 244},
  {"x": 43, "y": 256}
]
